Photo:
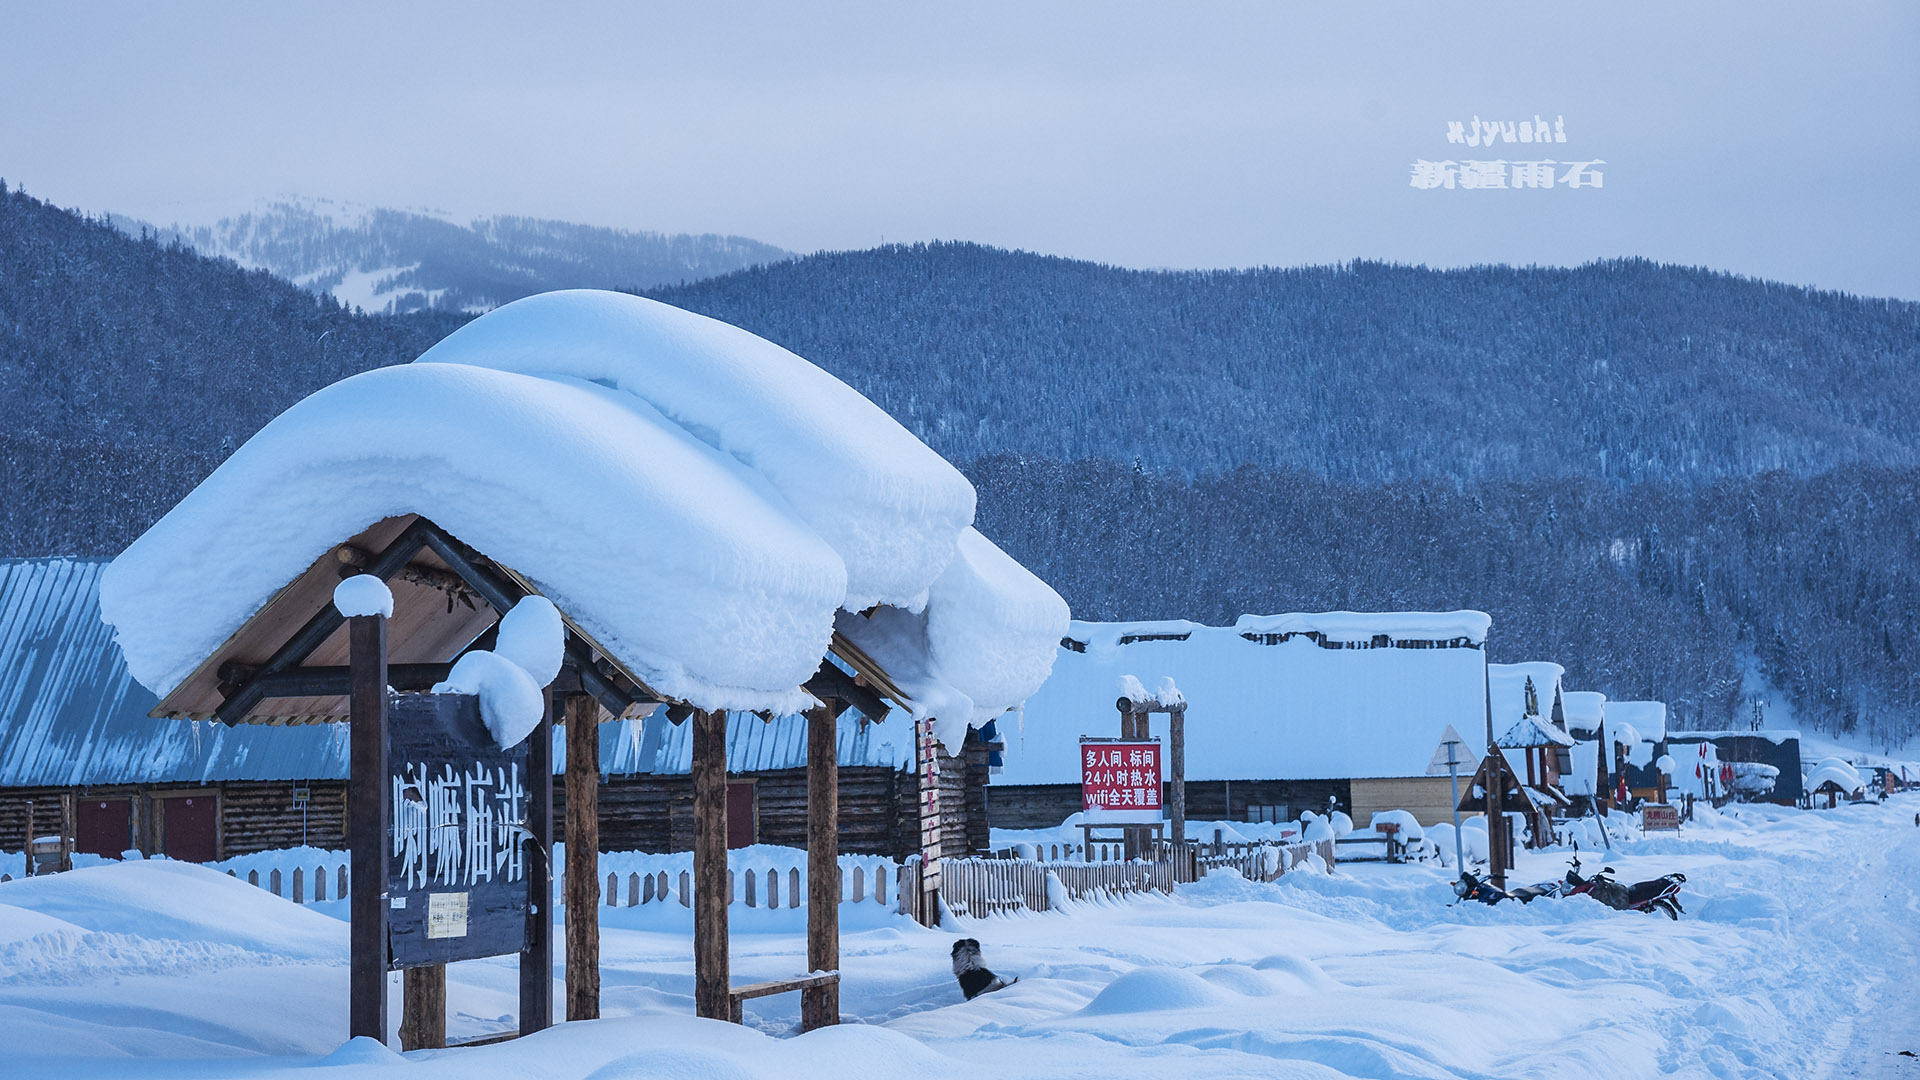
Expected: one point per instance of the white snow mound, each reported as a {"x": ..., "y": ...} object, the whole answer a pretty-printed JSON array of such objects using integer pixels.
[
  {"x": 886, "y": 503},
  {"x": 511, "y": 703},
  {"x": 363, "y": 594}
]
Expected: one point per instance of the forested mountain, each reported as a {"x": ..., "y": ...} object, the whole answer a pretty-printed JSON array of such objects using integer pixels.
[
  {"x": 1624, "y": 371},
  {"x": 130, "y": 368},
  {"x": 398, "y": 261},
  {"x": 1662, "y": 591},
  {"x": 1647, "y": 473}
]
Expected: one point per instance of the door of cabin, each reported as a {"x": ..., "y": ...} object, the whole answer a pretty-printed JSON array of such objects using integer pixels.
[
  {"x": 102, "y": 826},
  {"x": 743, "y": 823},
  {"x": 190, "y": 827}
]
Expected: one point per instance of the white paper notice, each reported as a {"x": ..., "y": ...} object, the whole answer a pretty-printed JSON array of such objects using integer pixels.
[{"x": 446, "y": 914}]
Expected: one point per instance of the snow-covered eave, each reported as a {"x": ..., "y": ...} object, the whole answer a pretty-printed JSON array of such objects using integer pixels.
[
  {"x": 1531, "y": 731},
  {"x": 1347, "y": 627}
]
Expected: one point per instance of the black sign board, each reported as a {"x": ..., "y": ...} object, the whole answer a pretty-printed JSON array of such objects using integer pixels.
[{"x": 456, "y": 856}]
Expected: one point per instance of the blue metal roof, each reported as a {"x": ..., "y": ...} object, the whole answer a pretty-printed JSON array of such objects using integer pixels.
[
  {"x": 652, "y": 745},
  {"x": 70, "y": 714}
]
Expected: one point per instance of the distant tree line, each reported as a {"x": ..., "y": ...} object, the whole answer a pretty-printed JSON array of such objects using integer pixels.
[
  {"x": 1646, "y": 473},
  {"x": 1660, "y": 591}
]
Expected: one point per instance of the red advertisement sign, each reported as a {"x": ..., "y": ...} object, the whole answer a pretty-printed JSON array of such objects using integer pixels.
[{"x": 1120, "y": 780}]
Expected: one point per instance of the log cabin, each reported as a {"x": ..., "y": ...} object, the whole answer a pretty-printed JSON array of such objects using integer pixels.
[
  {"x": 79, "y": 753},
  {"x": 1285, "y": 713}
]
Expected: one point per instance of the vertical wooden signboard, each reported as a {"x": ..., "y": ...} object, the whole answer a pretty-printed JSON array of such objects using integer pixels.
[
  {"x": 928, "y": 755},
  {"x": 457, "y": 861}
]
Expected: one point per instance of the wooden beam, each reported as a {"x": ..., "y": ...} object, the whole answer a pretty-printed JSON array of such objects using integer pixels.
[
  {"x": 321, "y": 681},
  {"x": 502, "y": 594},
  {"x": 830, "y": 684},
  {"x": 423, "y": 1008},
  {"x": 711, "y": 974},
  {"x": 322, "y": 625},
  {"x": 367, "y": 821},
  {"x": 820, "y": 1002},
  {"x": 536, "y": 961},
  {"x": 583, "y": 857}
]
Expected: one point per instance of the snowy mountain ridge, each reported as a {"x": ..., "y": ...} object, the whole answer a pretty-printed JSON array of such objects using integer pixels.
[{"x": 394, "y": 261}]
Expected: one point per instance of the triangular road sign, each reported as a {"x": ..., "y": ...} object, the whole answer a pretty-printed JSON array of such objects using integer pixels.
[{"x": 1463, "y": 757}]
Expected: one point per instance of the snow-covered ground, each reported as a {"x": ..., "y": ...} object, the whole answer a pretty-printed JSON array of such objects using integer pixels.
[{"x": 1795, "y": 960}]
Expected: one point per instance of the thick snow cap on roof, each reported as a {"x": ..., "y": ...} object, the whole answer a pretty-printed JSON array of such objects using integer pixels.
[
  {"x": 709, "y": 550},
  {"x": 1262, "y": 706},
  {"x": 1649, "y": 718},
  {"x": 886, "y": 503},
  {"x": 1358, "y": 627},
  {"x": 1586, "y": 710},
  {"x": 1508, "y": 685},
  {"x": 1840, "y": 773}
]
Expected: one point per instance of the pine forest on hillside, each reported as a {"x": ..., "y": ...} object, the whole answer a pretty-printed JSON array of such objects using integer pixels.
[{"x": 1648, "y": 473}]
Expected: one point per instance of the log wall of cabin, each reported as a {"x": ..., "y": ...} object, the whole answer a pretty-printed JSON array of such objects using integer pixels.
[
  {"x": 260, "y": 815},
  {"x": 879, "y": 814},
  {"x": 254, "y": 815},
  {"x": 13, "y": 815},
  {"x": 655, "y": 813}
]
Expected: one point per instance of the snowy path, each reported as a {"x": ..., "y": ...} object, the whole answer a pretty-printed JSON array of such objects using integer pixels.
[{"x": 1796, "y": 960}]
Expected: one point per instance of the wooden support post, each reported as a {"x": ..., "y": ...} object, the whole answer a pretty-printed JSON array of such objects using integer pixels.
[
  {"x": 1133, "y": 725},
  {"x": 67, "y": 822},
  {"x": 1177, "y": 750},
  {"x": 711, "y": 975},
  {"x": 820, "y": 1005},
  {"x": 536, "y": 962},
  {"x": 583, "y": 857},
  {"x": 367, "y": 822},
  {"x": 423, "y": 1008}
]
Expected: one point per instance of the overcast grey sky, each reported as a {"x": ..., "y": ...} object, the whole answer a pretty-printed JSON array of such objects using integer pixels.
[{"x": 1775, "y": 139}]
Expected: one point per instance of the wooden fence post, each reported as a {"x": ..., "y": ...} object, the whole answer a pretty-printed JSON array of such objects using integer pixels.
[
  {"x": 820, "y": 1005},
  {"x": 583, "y": 857},
  {"x": 368, "y": 814},
  {"x": 711, "y": 888}
]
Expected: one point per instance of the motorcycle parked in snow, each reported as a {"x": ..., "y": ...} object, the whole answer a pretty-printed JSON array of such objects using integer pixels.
[{"x": 1661, "y": 894}]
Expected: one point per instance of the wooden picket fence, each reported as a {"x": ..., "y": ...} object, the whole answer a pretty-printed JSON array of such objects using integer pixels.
[
  {"x": 299, "y": 886},
  {"x": 770, "y": 888},
  {"x": 988, "y": 886}
]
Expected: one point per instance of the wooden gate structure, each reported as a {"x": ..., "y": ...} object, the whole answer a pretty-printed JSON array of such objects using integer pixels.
[{"x": 298, "y": 660}]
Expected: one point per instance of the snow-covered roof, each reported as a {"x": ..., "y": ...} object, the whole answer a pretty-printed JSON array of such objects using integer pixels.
[
  {"x": 1586, "y": 710},
  {"x": 1837, "y": 772},
  {"x": 1649, "y": 718},
  {"x": 699, "y": 501},
  {"x": 1266, "y": 706},
  {"x": 1350, "y": 627},
  {"x": 1507, "y": 685},
  {"x": 1776, "y": 736},
  {"x": 1532, "y": 731}
]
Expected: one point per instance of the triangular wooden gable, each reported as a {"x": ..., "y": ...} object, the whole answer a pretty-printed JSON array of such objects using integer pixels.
[
  {"x": 1495, "y": 774},
  {"x": 287, "y": 663}
]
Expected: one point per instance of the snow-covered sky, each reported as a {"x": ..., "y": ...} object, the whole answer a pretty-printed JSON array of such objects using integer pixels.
[{"x": 1772, "y": 139}]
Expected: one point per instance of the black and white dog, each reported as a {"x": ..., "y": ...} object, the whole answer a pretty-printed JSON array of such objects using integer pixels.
[{"x": 974, "y": 977}]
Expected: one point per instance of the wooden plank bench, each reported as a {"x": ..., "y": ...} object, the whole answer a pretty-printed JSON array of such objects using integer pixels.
[{"x": 737, "y": 996}]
